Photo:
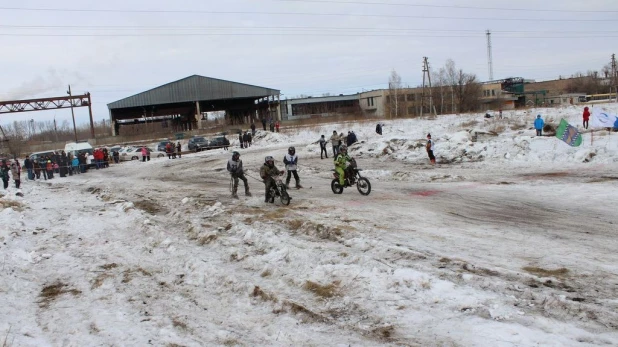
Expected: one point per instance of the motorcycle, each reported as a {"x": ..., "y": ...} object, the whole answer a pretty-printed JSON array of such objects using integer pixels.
[
  {"x": 353, "y": 176},
  {"x": 279, "y": 190}
]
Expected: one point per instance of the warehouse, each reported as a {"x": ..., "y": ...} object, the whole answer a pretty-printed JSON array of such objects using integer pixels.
[{"x": 183, "y": 104}]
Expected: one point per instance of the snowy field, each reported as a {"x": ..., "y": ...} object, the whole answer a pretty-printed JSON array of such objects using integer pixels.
[{"x": 510, "y": 240}]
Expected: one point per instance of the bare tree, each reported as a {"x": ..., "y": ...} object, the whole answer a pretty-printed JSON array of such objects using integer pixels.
[
  {"x": 451, "y": 80},
  {"x": 394, "y": 91},
  {"x": 468, "y": 92}
]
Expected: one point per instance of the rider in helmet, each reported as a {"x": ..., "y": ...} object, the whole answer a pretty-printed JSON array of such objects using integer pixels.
[
  {"x": 267, "y": 172},
  {"x": 234, "y": 166},
  {"x": 341, "y": 163},
  {"x": 291, "y": 160}
]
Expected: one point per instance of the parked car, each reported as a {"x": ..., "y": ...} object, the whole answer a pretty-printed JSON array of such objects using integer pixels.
[
  {"x": 197, "y": 143},
  {"x": 218, "y": 142},
  {"x": 161, "y": 146},
  {"x": 135, "y": 153}
]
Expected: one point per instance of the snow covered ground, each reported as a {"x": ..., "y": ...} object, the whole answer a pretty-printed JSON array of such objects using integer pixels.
[{"x": 509, "y": 241}]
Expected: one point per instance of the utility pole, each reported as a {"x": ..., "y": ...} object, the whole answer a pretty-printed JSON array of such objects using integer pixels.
[
  {"x": 489, "y": 57},
  {"x": 615, "y": 75},
  {"x": 426, "y": 73},
  {"x": 72, "y": 114}
]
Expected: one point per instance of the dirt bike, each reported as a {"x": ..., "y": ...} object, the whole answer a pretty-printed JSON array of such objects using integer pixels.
[
  {"x": 353, "y": 176},
  {"x": 279, "y": 190}
]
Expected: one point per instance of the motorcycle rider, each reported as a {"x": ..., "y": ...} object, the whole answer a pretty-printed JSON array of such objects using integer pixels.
[
  {"x": 290, "y": 160},
  {"x": 341, "y": 163},
  {"x": 234, "y": 166},
  {"x": 267, "y": 172}
]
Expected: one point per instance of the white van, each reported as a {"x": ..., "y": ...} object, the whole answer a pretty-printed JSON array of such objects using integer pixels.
[{"x": 76, "y": 147}]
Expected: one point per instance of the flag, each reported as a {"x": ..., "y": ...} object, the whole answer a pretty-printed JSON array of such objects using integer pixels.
[
  {"x": 568, "y": 134},
  {"x": 601, "y": 118}
]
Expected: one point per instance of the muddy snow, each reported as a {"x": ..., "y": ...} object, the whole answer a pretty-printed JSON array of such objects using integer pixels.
[{"x": 510, "y": 240}]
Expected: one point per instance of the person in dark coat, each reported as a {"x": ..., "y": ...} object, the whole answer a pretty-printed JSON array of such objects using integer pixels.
[
  {"x": 37, "y": 169},
  {"x": 240, "y": 139},
  {"x": 245, "y": 139},
  {"x": 249, "y": 139},
  {"x": 63, "y": 164},
  {"x": 253, "y": 129},
  {"x": 28, "y": 164},
  {"x": 379, "y": 129},
  {"x": 179, "y": 149},
  {"x": 4, "y": 173},
  {"x": 264, "y": 123}
]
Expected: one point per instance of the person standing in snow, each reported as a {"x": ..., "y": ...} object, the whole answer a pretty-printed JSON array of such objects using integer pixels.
[
  {"x": 277, "y": 126},
  {"x": 240, "y": 139},
  {"x": 16, "y": 173},
  {"x": 322, "y": 142},
  {"x": 291, "y": 160},
  {"x": 179, "y": 149},
  {"x": 586, "y": 117},
  {"x": 538, "y": 125},
  {"x": 334, "y": 139},
  {"x": 429, "y": 147},
  {"x": 379, "y": 129},
  {"x": 252, "y": 129},
  {"x": 4, "y": 173},
  {"x": 234, "y": 166}
]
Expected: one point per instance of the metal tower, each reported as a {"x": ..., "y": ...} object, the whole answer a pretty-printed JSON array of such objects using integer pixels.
[{"x": 490, "y": 59}]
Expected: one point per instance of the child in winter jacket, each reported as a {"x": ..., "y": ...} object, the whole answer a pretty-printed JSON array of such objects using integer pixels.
[{"x": 291, "y": 160}]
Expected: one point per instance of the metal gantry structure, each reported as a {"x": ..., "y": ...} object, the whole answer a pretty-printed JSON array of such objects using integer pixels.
[{"x": 44, "y": 104}]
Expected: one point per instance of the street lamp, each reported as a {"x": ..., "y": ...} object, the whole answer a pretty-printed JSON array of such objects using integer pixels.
[{"x": 72, "y": 113}]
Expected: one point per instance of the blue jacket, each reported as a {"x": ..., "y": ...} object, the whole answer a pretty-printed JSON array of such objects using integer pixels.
[{"x": 539, "y": 123}]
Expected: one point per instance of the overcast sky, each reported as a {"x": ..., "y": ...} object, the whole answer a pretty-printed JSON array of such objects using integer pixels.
[{"x": 115, "y": 49}]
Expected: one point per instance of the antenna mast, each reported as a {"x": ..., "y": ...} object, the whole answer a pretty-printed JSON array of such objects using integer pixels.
[{"x": 489, "y": 57}]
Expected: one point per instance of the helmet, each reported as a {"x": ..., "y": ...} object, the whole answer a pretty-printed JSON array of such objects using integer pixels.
[
  {"x": 343, "y": 148},
  {"x": 269, "y": 158},
  {"x": 235, "y": 154},
  {"x": 291, "y": 150}
]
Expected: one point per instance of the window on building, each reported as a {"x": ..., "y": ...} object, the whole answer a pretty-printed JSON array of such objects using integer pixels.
[
  {"x": 370, "y": 102},
  {"x": 493, "y": 92},
  {"x": 410, "y": 97}
]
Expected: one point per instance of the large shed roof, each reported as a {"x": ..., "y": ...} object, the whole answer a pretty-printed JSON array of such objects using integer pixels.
[{"x": 191, "y": 89}]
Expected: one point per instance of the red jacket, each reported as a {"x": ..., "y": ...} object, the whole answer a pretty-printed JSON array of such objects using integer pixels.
[{"x": 586, "y": 114}]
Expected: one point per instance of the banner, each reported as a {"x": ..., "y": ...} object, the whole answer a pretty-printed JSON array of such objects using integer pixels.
[
  {"x": 601, "y": 118},
  {"x": 569, "y": 134}
]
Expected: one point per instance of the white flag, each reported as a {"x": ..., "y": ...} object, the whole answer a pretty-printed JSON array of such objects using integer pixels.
[{"x": 601, "y": 118}]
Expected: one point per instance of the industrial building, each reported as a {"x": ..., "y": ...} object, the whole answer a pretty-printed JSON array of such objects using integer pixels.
[
  {"x": 316, "y": 107},
  {"x": 181, "y": 105}
]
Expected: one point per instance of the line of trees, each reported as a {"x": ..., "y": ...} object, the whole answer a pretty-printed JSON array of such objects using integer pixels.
[
  {"x": 15, "y": 136},
  {"x": 452, "y": 91}
]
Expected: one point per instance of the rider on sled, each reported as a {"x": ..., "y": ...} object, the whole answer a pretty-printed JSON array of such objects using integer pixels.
[
  {"x": 341, "y": 164},
  {"x": 267, "y": 172}
]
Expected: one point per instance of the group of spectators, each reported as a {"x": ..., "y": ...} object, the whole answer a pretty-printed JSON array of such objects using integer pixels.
[
  {"x": 46, "y": 167},
  {"x": 170, "y": 149},
  {"x": 274, "y": 125},
  {"x": 336, "y": 141},
  {"x": 246, "y": 138}
]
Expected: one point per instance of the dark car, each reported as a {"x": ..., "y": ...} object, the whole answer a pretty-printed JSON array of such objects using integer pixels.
[
  {"x": 218, "y": 142},
  {"x": 162, "y": 144},
  {"x": 197, "y": 143}
]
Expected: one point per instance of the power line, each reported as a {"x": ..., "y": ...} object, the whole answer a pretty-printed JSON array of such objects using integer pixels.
[
  {"x": 448, "y": 6},
  {"x": 296, "y": 34},
  {"x": 134, "y": 27},
  {"x": 299, "y": 14}
]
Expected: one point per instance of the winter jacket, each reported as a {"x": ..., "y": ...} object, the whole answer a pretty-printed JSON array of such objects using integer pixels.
[
  {"x": 586, "y": 114},
  {"x": 341, "y": 160},
  {"x": 145, "y": 151},
  {"x": 322, "y": 142},
  {"x": 4, "y": 172},
  {"x": 334, "y": 140},
  {"x": 539, "y": 123},
  {"x": 429, "y": 145},
  {"x": 235, "y": 167},
  {"x": 290, "y": 161},
  {"x": 28, "y": 163},
  {"x": 75, "y": 162},
  {"x": 268, "y": 172},
  {"x": 15, "y": 171}
]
